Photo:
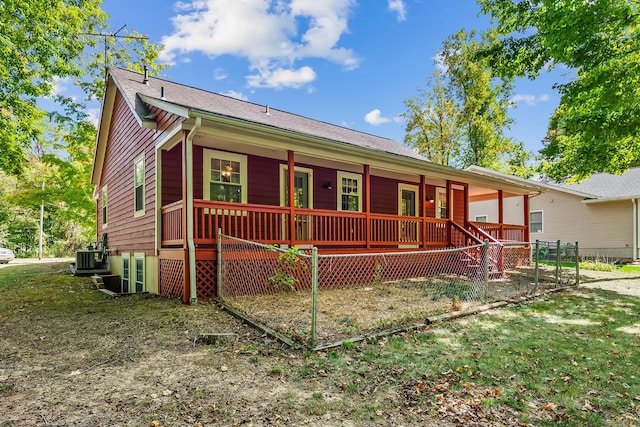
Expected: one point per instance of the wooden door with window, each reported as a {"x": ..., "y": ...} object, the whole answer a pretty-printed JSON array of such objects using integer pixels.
[
  {"x": 302, "y": 198},
  {"x": 408, "y": 206}
]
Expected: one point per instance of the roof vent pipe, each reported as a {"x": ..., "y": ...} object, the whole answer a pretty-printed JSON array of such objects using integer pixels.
[
  {"x": 266, "y": 109},
  {"x": 162, "y": 92},
  {"x": 146, "y": 75}
]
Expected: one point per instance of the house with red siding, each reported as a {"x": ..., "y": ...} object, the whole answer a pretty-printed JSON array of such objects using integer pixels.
[{"x": 173, "y": 164}]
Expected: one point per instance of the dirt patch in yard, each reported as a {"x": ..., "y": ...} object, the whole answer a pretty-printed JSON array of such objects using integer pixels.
[
  {"x": 72, "y": 356},
  {"x": 623, "y": 283}
]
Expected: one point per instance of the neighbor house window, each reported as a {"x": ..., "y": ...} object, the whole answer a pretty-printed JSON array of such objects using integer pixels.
[
  {"x": 138, "y": 184},
  {"x": 349, "y": 192},
  {"x": 104, "y": 206},
  {"x": 225, "y": 176},
  {"x": 535, "y": 222},
  {"x": 481, "y": 218},
  {"x": 139, "y": 272}
]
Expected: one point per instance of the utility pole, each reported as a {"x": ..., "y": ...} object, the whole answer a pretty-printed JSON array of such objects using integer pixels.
[{"x": 41, "y": 222}]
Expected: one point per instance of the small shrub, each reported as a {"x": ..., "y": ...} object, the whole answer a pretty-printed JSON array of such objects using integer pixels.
[
  {"x": 289, "y": 264},
  {"x": 597, "y": 266}
]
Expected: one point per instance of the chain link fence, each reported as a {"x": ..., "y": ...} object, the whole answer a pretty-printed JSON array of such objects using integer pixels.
[{"x": 315, "y": 300}]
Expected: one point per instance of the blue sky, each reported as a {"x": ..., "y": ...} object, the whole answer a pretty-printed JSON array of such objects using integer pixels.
[{"x": 339, "y": 61}]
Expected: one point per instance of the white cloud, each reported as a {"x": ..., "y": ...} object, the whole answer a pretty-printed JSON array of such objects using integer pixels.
[
  {"x": 219, "y": 74},
  {"x": 281, "y": 78},
  {"x": 530, "y": 100},
  {"x": 398, "y": 7},
  {"x": 59, "y": 86},
  {"x": 237, "y": 95},
  {"x": 93, "y": 115},
  {"x": 374, "y": 117},
  {"x": 271, "y": 34}
]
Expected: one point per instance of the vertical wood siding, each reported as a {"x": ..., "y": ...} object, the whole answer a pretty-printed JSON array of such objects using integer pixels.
[
  {"x": 263, "y": 181},
  {"x": 458, "y": 206},
  {"x": 171, "y": 175},
  {"x": 384, "y": 195},
  {"x": 430, "y": 208}
]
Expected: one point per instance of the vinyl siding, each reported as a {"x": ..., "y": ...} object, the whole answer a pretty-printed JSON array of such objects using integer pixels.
[
  {"x": 596, "y": 226},
  {"x": 512, "y": 209}
]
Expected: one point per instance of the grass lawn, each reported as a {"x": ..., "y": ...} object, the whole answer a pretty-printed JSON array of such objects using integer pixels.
[
  {"x": 630, "y": 269},
  {"x": 69, "y": 355}
]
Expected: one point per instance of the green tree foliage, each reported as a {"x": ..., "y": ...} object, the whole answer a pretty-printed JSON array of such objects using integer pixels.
[
  {"x": 461, "y": 117},
  {"x": 596, "y": 127},
  {"x": 51, "y": 41},
  {"x": 40, "y": 40},
  {"x": 431, "y": 122}
]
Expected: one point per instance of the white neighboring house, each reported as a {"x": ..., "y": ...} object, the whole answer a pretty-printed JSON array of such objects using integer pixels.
[{"x": 601, "y": 213}]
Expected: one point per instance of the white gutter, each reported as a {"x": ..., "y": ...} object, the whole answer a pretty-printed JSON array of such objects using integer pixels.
[
  {"x": 193, "y": 295},
  {"x": 610, "y": 199},
  {"x": 634, "y": 220}
]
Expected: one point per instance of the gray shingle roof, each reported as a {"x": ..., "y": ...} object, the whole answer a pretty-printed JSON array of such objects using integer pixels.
[
  {"x": 607, "y": 186},
  {"x": 131, "y": 84}
]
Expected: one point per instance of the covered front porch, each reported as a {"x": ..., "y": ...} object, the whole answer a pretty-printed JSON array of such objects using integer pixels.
[{"x": 343, "y": 201}]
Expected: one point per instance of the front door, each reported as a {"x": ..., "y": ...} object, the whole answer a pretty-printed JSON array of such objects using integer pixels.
[
  {"x": 302, "y": 198},
  {"x": 408, "y": 206}
]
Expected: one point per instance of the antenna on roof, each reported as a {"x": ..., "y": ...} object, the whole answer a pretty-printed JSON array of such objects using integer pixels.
[{"x": 106, "y": 46}]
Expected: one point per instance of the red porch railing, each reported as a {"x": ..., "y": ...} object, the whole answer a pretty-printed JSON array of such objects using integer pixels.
[
  {"x": 172, "y": 224},
  {"x": 269, "y": 224},
  {"x": 504, "y": 232}
]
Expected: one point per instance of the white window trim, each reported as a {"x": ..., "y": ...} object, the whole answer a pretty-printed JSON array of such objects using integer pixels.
[
  {"x": 355, "y": 176},
  {"x": 441, "y": 195},
  {"x": 410, "y": 187},
  {"x": 105, "y": 207},
  {"x": 485, "y": 216},
  {"x": 283, "y": 179},
  {"x": 224, "y": 155},
  {"x": 136, "y": 257},
  {"x": 541, "y": 222},
  {"x": 139, "y": 213},
  {"x": 126, "y": 256}
]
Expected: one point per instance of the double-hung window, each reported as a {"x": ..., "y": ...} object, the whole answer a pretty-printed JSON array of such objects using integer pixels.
[
  {"x": 138, "y": 185},
  {"x": 349, "y": 191},
  {"x": 535, "y": 222},
  {"x": 225, "y": 176}
]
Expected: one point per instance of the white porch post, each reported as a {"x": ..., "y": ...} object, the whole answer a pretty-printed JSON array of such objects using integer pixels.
[
  {"x": 634, "y": 221},
  {"x": 193, "y": 294}
]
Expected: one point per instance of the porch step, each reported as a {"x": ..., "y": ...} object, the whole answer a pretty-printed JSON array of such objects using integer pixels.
[{"x": 98, "y": 282}]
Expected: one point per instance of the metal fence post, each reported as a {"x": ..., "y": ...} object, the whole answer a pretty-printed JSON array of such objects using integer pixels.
[
  {"x": 486, "y": 270},
  {"x": 219, "y": 265},
  {"x": 577, "y": 266},
  {"x": 314, "y": 296},
  {"x": 536, "y": 272},
  {"x": 558, "y": 267}
]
